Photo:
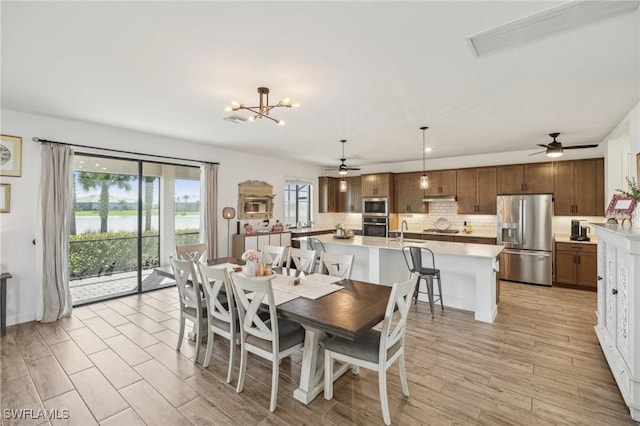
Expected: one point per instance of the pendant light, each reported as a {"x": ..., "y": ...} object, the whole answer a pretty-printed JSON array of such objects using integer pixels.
[
  {"x": 343, "y": 185},
  {"x": 424, "y": 179}
]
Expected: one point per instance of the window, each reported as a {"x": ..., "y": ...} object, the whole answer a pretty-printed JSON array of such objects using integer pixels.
[{"x": 297, "y": 203}]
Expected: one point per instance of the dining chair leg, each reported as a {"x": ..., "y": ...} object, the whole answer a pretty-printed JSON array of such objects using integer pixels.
[
  {"x": 328, "y": 375},
  {"x": 207, "y": 355},
  {"x": 429, "y": 281},
  {"x": 355, "y": 369},
  {"x": 232, "y": 357},
  {"x": 198, "y": 337},
  {"x": 403, "y": 375},
  {"x": 274, "y": 384},
  {"x": 243, "y": 369},
  {"x": 181, "y": 334},
  {"x": 440, "y": 291},
  {"x": 384, "y": 402}
]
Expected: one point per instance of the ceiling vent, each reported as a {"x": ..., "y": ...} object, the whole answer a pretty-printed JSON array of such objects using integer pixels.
[
  {"x": 235, "y": 118},
  {"x": 547, "y": 23}
]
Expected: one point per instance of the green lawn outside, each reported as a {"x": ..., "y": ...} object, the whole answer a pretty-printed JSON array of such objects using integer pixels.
[{"x": 131, "y": 213}]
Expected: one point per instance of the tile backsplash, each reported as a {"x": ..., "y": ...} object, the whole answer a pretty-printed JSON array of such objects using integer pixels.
[{"x": 449, "y": 211}]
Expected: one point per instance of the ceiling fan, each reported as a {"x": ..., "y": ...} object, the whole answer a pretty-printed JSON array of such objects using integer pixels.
[
  {"x": 555, "y": 148},
  {"x": 342, "y": 169}
]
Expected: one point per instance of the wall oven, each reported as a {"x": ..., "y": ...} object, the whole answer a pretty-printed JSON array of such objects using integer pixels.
[
  {"x": 375, "y": 226},
  {"x": 375, "y": 207}
]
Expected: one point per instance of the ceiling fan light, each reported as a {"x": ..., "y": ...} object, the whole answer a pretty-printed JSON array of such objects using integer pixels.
[
  {"x": 342, "y": 172},
  {"x": 424, "y": 182},
  {"x": 554, "y": 152}
]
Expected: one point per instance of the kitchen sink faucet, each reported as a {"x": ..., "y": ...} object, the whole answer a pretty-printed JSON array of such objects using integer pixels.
[{"x": 403, "y": 225}]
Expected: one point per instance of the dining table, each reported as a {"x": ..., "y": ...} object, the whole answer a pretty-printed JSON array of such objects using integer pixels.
[{"x": 349, "y": 313}]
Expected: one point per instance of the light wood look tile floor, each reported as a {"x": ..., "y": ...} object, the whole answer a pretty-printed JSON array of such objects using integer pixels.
[{"x": 115, "y": 363}]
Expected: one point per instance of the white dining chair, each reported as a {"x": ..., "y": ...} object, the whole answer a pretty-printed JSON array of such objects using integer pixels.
[
  {"x": 195, "y": 252},
  {"x": 273, "y": 255},
  {"x": 302, "y": 260},
  {"x": 272, "y": 339},
  {"x": 222, "y": 317},
  {"x": 376, "y": 350},
  {"x": 337, "y": 265},
  {"x": 191, "y": 303}
]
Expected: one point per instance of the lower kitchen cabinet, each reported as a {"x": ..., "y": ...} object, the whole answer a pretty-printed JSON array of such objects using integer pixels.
[
  {"x": 244, "y": 242},
  {"x": 576, "y": 265},
  {"x": 474, "y": 240},
  {"x": 431, "y": 237}
]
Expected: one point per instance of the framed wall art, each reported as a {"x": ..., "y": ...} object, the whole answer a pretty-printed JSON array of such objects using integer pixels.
[
  {"x": 5, "y": 198},
  {"x": 10, "y": 155}
]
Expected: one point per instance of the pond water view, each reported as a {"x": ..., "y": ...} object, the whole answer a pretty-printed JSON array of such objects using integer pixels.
[{"x": 91, "y": 224}]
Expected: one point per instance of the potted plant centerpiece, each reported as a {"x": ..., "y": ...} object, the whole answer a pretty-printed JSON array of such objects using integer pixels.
[{"x": 251, "y": 258}]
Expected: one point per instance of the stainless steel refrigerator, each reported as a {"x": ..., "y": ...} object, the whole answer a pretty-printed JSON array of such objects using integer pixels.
[{"x": 524, "y": 229}]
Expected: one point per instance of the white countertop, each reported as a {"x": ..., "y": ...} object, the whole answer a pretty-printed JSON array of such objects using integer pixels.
[
  {"x": 438, "y": 247},
  {"x": 623, "y": 231},
  {"x": 566, "y": 238},
  {"x": 478, "y": 234}
]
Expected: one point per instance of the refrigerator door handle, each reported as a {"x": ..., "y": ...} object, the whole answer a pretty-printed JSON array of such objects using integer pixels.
[
  {"x": 523, "y": 210},
  {"x": 529, "y": 253}
]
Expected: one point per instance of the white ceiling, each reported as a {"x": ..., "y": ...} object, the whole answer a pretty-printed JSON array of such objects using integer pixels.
[{"x": 368, "y": 72}]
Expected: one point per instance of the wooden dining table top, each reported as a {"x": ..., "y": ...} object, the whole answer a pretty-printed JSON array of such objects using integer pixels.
[{"x": 347, "y": 313}]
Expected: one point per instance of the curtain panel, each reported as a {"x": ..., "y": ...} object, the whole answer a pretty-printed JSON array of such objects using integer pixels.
[
  {"x": 56, "y": 192},
  {"x": 209, "y": 208}
]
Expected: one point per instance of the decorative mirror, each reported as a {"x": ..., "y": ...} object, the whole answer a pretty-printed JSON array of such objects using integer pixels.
[{"x": 255, "y": 200}]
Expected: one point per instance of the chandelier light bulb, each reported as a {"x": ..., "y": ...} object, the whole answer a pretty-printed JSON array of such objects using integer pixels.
[
  {"x": 279, "y": 122},
  {"x": 296, "y": 105}
]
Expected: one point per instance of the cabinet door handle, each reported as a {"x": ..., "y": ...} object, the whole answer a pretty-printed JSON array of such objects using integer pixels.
[
  {"x": 599, "y": 278},
  {"x": 578, "y": 259},
  {"x": 614, "y": 291}
]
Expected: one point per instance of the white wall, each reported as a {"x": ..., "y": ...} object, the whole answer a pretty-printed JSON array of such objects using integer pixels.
[{"x": 17, "y": 228}]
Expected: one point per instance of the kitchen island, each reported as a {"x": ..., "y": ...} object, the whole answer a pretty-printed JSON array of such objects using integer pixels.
[{"x": 468, "y": 271}]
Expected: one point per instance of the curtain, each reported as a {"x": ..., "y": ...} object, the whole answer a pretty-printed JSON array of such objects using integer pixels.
[
  {"x": 56, "y": 196},
  {"x": 209, "y": 208}
]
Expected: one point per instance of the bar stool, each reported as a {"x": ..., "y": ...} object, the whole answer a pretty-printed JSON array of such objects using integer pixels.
[{"x": 427, "y": 274}]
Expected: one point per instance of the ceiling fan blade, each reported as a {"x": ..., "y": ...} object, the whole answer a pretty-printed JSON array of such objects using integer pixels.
[
  {"x": 542, "y": 145},
  {"x": 536, "y": 153},
  {"x": 352, "y": 168},
  {"x": 581, "y": 146}
]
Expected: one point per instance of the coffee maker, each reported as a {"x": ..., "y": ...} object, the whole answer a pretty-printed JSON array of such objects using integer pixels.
[{"x": 579, "y": 233}]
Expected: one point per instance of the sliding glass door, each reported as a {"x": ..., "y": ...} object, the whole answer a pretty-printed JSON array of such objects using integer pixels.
[{"x": 124, "y": 224}]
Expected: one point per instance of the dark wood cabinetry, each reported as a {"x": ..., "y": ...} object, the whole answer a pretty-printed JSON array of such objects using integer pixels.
[
  {"x": 535, "y": 178},
  {"x": 579, "y": 188},
  {"x": 377, "y": 185},
  {"x": 350, "y": 201},
  {"x": 408, "y": 194},
  {"x": 474, "y": 240},
  {"x": 477, "y": 190},
  {"x": 327, "y": 194},
  {"x": 433, "y": 237},
  {"x": 576, "y": 265},
  {"x": 441, "y": 182}
]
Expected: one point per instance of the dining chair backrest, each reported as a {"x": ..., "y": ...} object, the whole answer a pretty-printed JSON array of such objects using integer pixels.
[
  {"x": 337, "y": 265},
  {"x": 315, "y": 244},
  {"x": 193, "y": 252},
  {"x": 248, "y": 308},
  {"x": 273, "y": 255},
  {"x": 215, "y": 280},
  {"x": 303, "y": 260},
  {"x": 413, "y": 259},
  {"x": 394, "y": 324},
  {"x": 189, "y": 293}
]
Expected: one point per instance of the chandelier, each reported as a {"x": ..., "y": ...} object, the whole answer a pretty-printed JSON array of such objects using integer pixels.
[{"x": 263, "y": 109}]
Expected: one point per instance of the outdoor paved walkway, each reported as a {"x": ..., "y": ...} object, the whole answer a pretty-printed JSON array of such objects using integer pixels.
[{"x": 97, "y": 288}]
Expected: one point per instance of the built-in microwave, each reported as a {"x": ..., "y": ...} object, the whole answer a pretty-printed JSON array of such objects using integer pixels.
[{"x": 375, "y": 207}]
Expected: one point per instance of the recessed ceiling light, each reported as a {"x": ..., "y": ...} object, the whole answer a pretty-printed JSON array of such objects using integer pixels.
[{"x": 428, "y": 149}]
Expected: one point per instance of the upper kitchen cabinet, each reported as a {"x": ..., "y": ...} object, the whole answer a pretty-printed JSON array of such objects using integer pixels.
[
  {"x": 441, "y": 182},
  {"x": 408, "y": 194},
  {"x": 327, "y": 194},
  {"x": 477, "y": 190},
  {"x": 377, "y": 185},
  {"x": 579, "y": 188},
  {"x": 536, "y": 178},
  {"x": 350, "y": 201}
]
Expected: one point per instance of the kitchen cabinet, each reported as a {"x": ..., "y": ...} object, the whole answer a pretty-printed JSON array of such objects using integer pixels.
[
  {"x": 432, "y": 237},
  {"x": 579, "y": 188},
  {"x": 377, "y": 185},
  {"x": 618, "y": 309},
  {"x": 351, "y": 200},
  {"x": 441, "y": 182},
  {"x": 255, "y": 241},
  {"x": 477, "y": 190},
  {"x": 576, "y": 264},
  {"x": 327, "y": 194},
  {"x": 408, "y": 194},
  {"x": 474, "y": 240},
  {"x": 535, "y": 178}
]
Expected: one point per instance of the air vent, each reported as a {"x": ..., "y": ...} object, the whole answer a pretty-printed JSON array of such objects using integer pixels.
[
  {"x": 235, "y": 119},
  {"x": 547, "y": 23}
]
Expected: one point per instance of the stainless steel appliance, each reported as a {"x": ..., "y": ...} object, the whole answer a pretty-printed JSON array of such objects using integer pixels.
[
  {"x": 375, "y": 207},
  {"x": 524, "y": 228},
  {"x": 375, "y": 226},
  {"x": 441, "y": 231}
]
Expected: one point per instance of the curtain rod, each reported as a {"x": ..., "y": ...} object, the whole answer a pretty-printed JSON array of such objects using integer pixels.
[{"x": 123, "y": 152}]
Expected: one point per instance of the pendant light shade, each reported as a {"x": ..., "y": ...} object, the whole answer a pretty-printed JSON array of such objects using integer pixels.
[
  {"x": 424, "y": 179},
  {"x": 343, "y": 185}
]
